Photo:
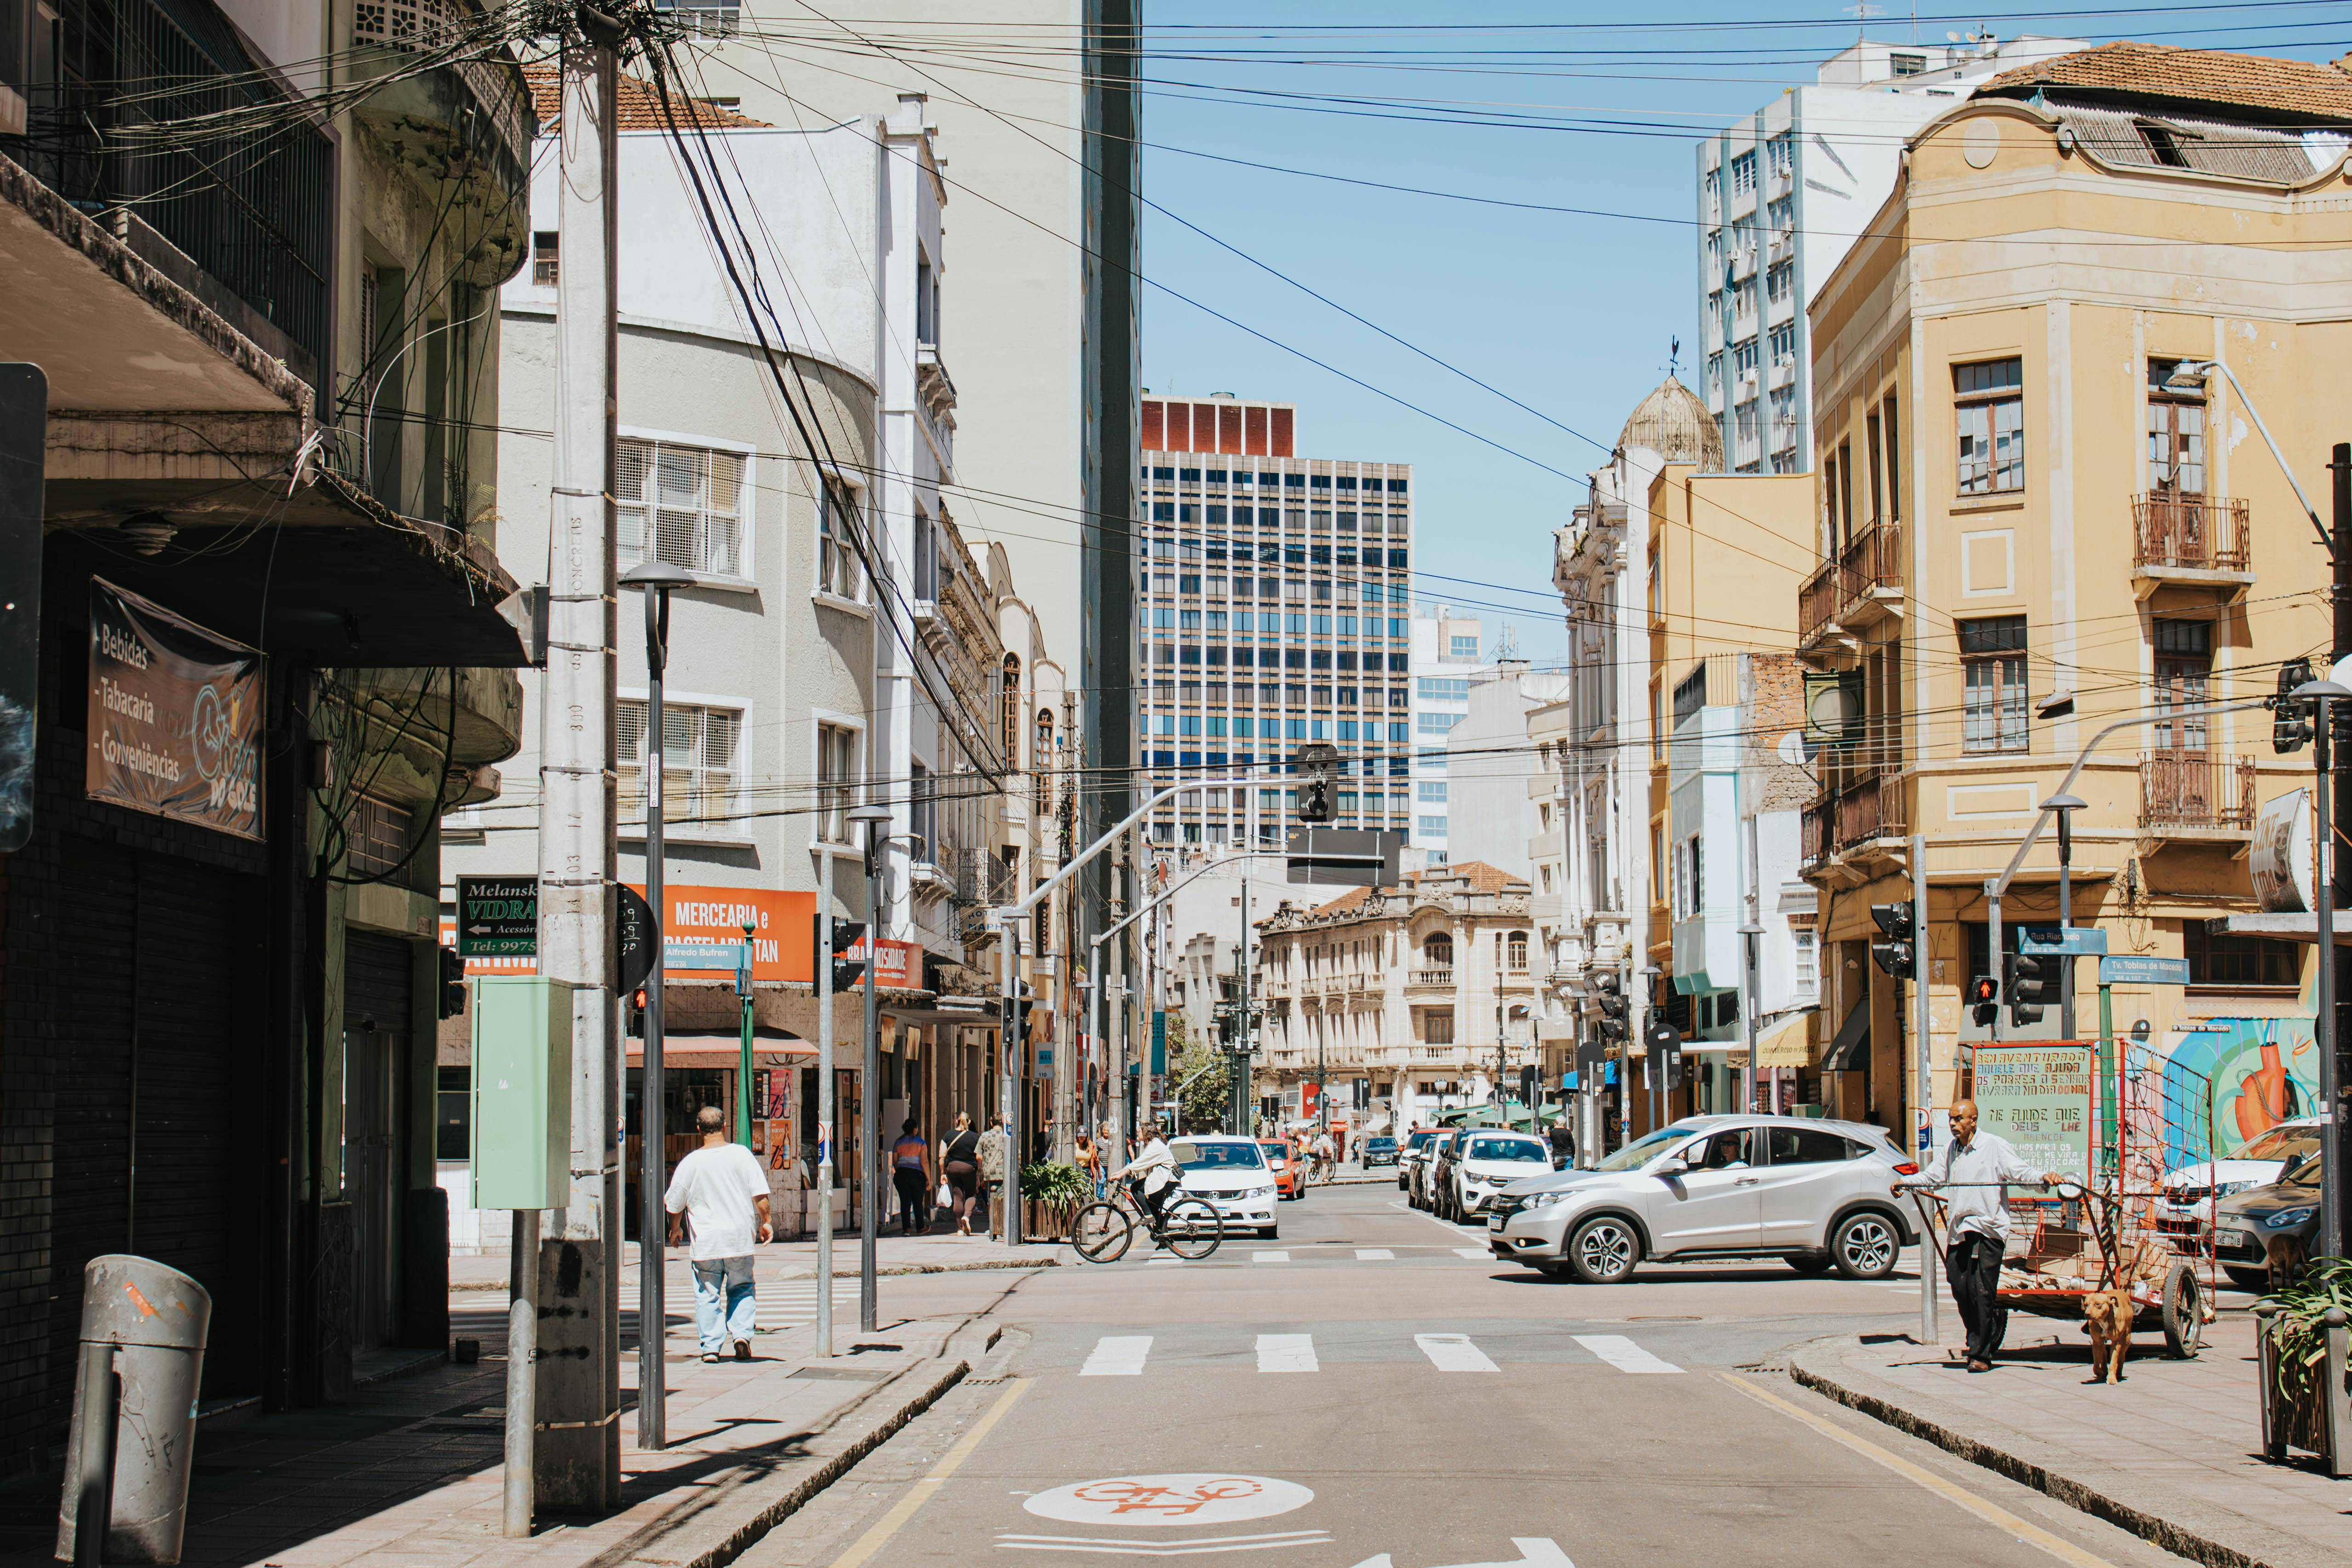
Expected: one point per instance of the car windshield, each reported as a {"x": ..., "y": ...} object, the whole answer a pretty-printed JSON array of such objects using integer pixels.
[
  {"x": 1635, "y": 1155},
  {"x": 1194, "y": 1156},
  {"x": 1420, "y": 1140},
  {"x": 1378, "y": 1145},
  {"x": 1508, "y": 1149},
  {"x": 2278, "y": 1143},
  {"x": 1274, "y": 1151}
]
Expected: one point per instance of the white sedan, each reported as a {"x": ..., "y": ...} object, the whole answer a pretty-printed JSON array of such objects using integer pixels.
[{"x": 1231, "y": 1174}]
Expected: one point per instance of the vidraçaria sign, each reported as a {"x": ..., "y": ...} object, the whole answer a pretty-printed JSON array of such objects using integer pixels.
[{"x": 175, "y": 716}]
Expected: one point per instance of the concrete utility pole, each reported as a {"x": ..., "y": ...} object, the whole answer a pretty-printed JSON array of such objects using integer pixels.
[{"x": 576, "y": 1450}]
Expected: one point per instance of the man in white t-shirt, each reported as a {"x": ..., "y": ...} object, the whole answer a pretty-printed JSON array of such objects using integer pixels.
[{"x": 721, "y": 1191}]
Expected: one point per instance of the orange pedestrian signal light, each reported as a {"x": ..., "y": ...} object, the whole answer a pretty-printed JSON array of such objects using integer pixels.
[{"x": 1984, "y": 999}]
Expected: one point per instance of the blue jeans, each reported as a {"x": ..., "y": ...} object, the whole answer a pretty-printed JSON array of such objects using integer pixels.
[{"x": 723, "y": 1304}]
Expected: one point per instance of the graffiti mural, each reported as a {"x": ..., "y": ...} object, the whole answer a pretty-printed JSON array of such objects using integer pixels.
[{"x": 2263, "y": 1071}]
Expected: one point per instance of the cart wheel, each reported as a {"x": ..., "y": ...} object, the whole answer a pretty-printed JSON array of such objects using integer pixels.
[{"x": 2184, "y": 1315}]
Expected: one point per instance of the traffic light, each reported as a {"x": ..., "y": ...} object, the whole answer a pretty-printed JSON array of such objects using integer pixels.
[
  {"x": 1984, "y": 1000},
  {"x": 1616, "y": 1010},
  {"x": 453, "y": 983},
  {"x": 1318, "y": 788},
  {"x": 1895, "y": 955},
  {"x": 2028, "y": 979},
  {"x": 846, "y": 934},
  {"x": 2290, "y": 718},
  {"x": 633, "y": 1014}
]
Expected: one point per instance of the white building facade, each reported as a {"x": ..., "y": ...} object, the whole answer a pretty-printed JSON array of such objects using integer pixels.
[{"x": 1447, "y": 655}]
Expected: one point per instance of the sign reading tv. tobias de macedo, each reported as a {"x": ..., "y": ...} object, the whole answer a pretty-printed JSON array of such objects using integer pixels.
[{"x": 175, "y": 716}]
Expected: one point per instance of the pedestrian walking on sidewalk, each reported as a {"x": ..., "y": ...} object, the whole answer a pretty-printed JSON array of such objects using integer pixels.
[
  {"x": 960, "y": 1162},
  {"x": 1975, "y": 1170},
  {"x": 994, "y": 1144},
  {"x": 721, "y": 1193},
  {"x": 910, "y": 1173}
]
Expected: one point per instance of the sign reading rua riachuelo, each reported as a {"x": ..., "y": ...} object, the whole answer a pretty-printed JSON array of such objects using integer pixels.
[{"x": 175, "y": 716}]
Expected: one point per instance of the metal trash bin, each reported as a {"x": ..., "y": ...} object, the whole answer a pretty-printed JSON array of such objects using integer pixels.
[{"x": 134, "y": 1413}]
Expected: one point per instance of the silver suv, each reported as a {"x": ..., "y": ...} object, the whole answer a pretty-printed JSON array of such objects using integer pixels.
[{"x": 1811, "y": 1192}]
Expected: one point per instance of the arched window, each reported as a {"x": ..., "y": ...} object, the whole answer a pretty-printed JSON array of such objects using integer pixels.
[
  {"x": 1041, "y": 758},
  {"x": 1437, "y": 953},
  {"x": 1516, "y": 950},
  {"x": 1012, "y": 709}
]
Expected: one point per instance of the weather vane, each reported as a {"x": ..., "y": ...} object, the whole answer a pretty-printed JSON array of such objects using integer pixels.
[{"x": 1674, "y": 355}]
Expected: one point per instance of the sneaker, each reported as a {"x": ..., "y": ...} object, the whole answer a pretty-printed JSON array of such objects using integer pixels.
[
  {"x": 711, "y": 1356},
  {"x": 743, "y": 1351}
]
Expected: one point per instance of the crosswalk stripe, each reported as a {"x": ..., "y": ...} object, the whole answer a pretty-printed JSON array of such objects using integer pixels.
[
  {"x": 1623, "y": 1353},
  {"x": 1454, "y": 1352},
  {"x": 1117, "y": 1355},
  {"x": 1479, "y": 1253},
  {"x": 1374, "y": 1255},
  {"x": 1286, "y": 1352},
  {"x": 1270, "y": 1256}
]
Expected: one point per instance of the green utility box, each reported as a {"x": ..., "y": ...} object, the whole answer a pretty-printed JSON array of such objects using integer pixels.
[{"x": 522, "y": 1092}]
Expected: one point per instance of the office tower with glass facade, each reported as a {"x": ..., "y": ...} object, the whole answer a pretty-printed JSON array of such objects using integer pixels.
[{"x": 1275, "y": 598}]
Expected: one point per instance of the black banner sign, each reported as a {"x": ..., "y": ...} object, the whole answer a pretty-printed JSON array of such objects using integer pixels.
[
  {"x": 498, "y": 917},
  {"x": 175, "y": 716}
]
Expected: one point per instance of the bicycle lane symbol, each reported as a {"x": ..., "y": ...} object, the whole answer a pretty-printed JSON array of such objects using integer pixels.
[{"x": 1190, "y": 1498}]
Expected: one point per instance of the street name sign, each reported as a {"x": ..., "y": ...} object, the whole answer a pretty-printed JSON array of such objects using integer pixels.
[
  {"x": 498, "y": 916},
  {"x": 2062, "y": 941},
  {"x": 2129, "y": 969}
]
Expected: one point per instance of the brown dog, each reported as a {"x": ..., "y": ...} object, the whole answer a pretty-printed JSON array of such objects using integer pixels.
[
  {"x": 2289, "y": 1256},
  {"x": 2108, "y": 1316}
]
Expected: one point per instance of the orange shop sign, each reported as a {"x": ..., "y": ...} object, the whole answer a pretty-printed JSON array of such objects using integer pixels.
[
  {"x": 782, "y": 926},
  {"x": 899, "y": 964}
]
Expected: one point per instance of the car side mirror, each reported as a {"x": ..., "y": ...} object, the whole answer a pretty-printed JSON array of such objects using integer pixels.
[
  {"x": 1674, "y": 1167},
  {"x": 2294, "y": 1162}
]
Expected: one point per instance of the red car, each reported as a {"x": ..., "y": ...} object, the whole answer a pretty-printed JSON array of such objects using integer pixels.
[{"x": 1290, "y": 1168}]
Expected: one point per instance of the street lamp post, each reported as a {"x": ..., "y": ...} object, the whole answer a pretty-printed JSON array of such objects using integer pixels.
[
  {"x": 658, "y": 579},
  {"x": 2063, "y": 808},
  {"x": 876, "y": 819},
  {"x": 1752, "y": 948}
]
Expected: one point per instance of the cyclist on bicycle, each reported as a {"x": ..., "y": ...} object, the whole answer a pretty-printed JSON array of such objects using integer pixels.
[{"x": 1151, "y": 1174}]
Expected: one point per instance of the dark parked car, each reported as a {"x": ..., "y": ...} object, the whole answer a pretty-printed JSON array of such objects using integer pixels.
[
  {"x": 1378, "y": 1152},
  {"x": 2246, "y": 1224}
]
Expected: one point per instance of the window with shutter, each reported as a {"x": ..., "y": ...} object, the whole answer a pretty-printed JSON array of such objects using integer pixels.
[
  {"x": 698, "y": 761},
  {"x": 688, "y": 498}
]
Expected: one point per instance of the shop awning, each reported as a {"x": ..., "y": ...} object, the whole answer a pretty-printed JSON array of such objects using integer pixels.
[
  {"x": 1786, "y": 1044},
  {"x": 702, "y": 1050},
  {"x": 1852, "y": 1039}
]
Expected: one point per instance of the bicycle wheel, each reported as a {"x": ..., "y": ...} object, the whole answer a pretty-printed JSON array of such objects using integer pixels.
[
  {"x": 1100, "y": 1232},
  {"x": 1192, "y": 1228}
]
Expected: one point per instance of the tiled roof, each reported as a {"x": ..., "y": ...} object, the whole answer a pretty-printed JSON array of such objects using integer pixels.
[
  {"x": 640, "y": 105},
  {"x": 2287, "y": 89},
  {"x": 1481, "y": 878}
]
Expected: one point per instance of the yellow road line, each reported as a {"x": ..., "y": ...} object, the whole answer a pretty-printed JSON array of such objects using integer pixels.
[
  {"x": 920, "y": 1492},
  {"x": 1991, "y": 1513}
]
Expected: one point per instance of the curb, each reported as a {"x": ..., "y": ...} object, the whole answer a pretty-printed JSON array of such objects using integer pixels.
[
  {"x": 1053, "y": 1261},
  {"x": 722, "y": 1528},
  {"x": 2181, "y": 1524}
]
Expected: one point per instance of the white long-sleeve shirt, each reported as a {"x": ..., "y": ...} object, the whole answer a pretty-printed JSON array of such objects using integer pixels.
[
  {"x": 1155, "y": 1167},
  {"x": 1974, "y": 1172}
]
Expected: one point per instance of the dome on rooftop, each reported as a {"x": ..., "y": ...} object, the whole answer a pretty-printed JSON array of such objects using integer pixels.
[{"x": 1673, "y": 423}]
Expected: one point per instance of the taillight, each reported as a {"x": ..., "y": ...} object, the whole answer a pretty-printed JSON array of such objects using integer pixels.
[{"x": 1906, "y": 1169}]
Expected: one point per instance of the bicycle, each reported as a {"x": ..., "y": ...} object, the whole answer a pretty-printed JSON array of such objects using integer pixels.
[{"x": 1190, "y": 1227}]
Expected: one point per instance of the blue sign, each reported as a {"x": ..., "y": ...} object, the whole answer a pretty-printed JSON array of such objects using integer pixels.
[
  {"x": 2062, "y": 941},
  {"x": 2129, "y": 969},
  {"x": 726, "y": 955}
]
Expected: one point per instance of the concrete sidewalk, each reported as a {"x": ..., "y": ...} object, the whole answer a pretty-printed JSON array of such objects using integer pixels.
[
  {"x": 797, "y": 1260},
  {"x": 408, "y": 1472},
  {"x": 2173, "y": 1453}
]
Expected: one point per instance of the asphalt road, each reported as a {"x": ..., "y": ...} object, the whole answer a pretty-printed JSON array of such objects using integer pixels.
[{"x": 1361, "y": 1395}]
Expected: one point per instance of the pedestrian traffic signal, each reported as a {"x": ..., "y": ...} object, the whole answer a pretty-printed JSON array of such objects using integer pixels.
[
  {"x": 633, "y": 1014},
  {"x": 2028, "y": 979},
  {"x": 846, "y": 934},
  {"x": 1895, "y": 955},
  {"x": 453, "y": 983},
  {"x": 2290, "y": 716},
  {"x": 1318, "y": 790},
  {"x": 1984, "y": 1000}
]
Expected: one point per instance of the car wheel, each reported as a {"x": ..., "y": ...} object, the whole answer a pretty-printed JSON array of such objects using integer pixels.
[
  {"x": 1603, "y": 1250},
  {"x": 2258, "y": 1281},
  {"x": 1864, "y": 1246},
  {"x": 1811, "y": 1262}
]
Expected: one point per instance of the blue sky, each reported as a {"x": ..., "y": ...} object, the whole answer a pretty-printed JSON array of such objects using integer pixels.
[{"x": 1569, "y": 315}]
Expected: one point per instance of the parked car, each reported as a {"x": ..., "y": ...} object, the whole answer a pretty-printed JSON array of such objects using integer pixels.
[
  {"x": 1415, "y": 1149},
  {"x": 1814, "y": 1192},
  {"x": 1289, "y": 1170},
  {"x": 1232, "y": 1174},
  {"x": 2245, "y": 1224},
  {"x": 1377, "y": 1152},
  {"x": 1487, "y": 1162},
  {"x": 1438, "y": 1180},
  {"x": 1424, "y": 1173},
  {"x": 2184, "y": 1210}
]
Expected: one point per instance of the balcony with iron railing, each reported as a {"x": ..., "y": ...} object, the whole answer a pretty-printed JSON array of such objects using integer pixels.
[
  {"x": 1817, "y": 603},
  {"x": 2192, "y": 540},
  {"x": 2196, "y": 794},
  {"x": 1852, "y": 814},
  {"x": 1863, "y": 585}
]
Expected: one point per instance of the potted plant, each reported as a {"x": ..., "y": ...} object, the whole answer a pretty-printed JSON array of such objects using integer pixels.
[
  {"x": 2301, "y": 1337},
  {"x": 1053, "y": 1192}
]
